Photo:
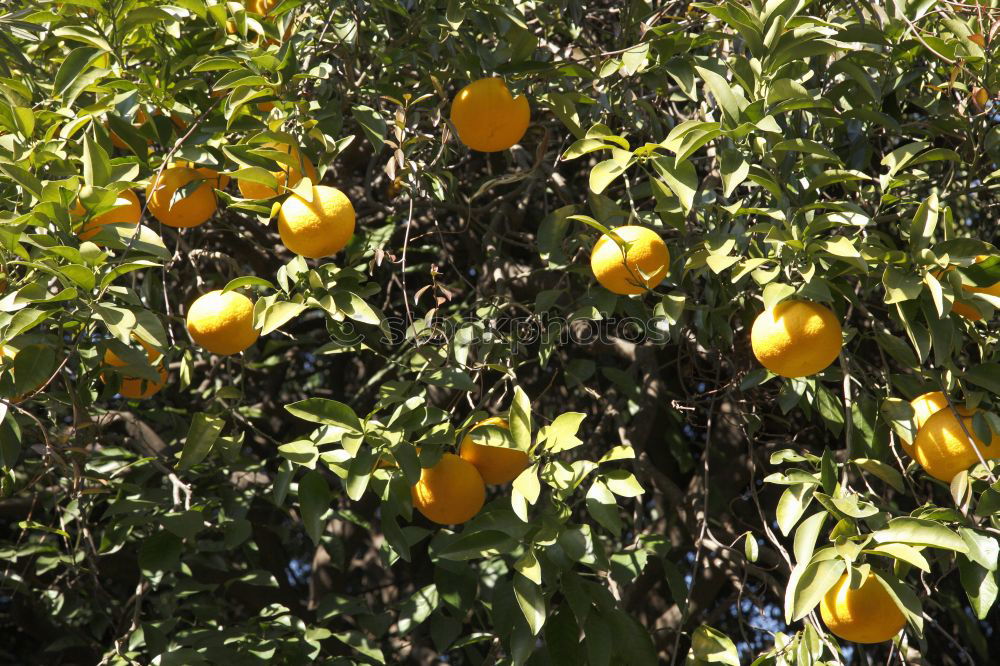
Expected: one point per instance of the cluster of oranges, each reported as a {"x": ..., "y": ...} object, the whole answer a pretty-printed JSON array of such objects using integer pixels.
[
  {"x": 453, "y": 490},
  {"x": 795, "y": 338}
]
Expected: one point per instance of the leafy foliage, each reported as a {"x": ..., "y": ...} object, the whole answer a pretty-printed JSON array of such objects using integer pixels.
[{"x": 681, "y": 502}]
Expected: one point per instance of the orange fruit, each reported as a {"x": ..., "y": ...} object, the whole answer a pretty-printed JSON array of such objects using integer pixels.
[
  {"x": 128, "y": 210},
  {"x": 495, "y": 464},
  {"x": 943, "y": 449},
  {"x": 967, "y": 311},
  {"x": 865, "y": 615},
  {"x": 796, "y": 338},
  {"x": 317, "y": 228},
  {"x": 189, "y": 211},
  {"x": 487, "y": 118},
  {"x": 222, "y": 323},
  {"x": 136, "y": 388},
  {"x": 924, "y": 406},
  {"x": 287, "y": 177},
  {"x": 451, "y": 492},
  {"x": 643, "y": 265}
]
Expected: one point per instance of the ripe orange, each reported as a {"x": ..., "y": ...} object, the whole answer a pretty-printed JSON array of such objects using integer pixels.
[
  {"x": 188, "y": 211},
  {"x": 451, "y": 492},
  {"x": 487, "y": 118},
  {"x": 128, "y": 210},
  {"x": 222, "y": 323},
  {"x": 287, "y": 177},
  {"x": 967, "y": 311},
  {"x": 136, "y": 388},
  {"x": 316, "y": 228},
  {"x": 924, "y": 406},
  {"x": 865, "y": 615},
  {"x": 495, "y": 464},
  {"x": 943, "y": 449},
  {"x": 796, "y": 338},
  {"x": 642, "y": 266}
]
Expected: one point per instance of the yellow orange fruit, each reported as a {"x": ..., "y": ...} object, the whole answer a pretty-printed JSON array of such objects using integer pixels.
[
  {"x": 451, "y": 492},
  {"x": 128, "y": 210},
  {"x": 495, "y": 464},
  {"x": 486, "y": 116},
  {"x": 943, "y": 449},
  {"x": 968, "y": 311},
  {"x": 222, "y": 323},
  {"x": 181, "y": 212},
  {"x": 865, "y": 615},
  {"x": 136, "y": 388},
  {"x": 796, "y": 338},
  {"x": 643, "y": 265},
  {"x": 287, "y": 177},
  {"x": 924, "y": 406},
  {"x": 316, "y": 228}
]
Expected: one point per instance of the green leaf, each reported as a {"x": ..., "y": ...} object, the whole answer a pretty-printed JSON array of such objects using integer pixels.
[
  {"x": 983, "y": 549},
  {"x": 924, "y": 223},
  {"x": 734, "y": 169},
  {"x": 808, "y": 584},
  {"x": 202, "y": 434},
  {"x": 980, "y": 585},
  {"x": 806, "y": 535},
  {"x": 75, "y": 64},
  {"x": 805, "y": 146},
  {"x": 681, "y": 178},
  {"x": 159, "y": 552},
  {"x": 532, "y": 602},
  {"x": 314, "y": 501},
  {"x": 604, "y": 173},
  {"x": 560, "y": 435},
  {"x": 357, "y": 309},
  {"x": 792, "y": 505},
  {"x": 601, "y": 504},
  {"x": 906, "y": 600},
  {"x": 328, "y": 412},
  {"x": 520, "y": 420},
  {"x": 922, "y": 532},
  {"x": 623, "y": 483},
  {"x": 709, "y": 646},
  {"x": 248, "y": 281},
  {"x": 96, "y": 164},
  {"x": 527, "y": 484},
  {"x": 985, "y": 375},
  {"x": 901, "y": 551},
  {"x": 901, "y": 286},
  {"x": 372, "y": 123},
  {"x": 731, "y": 103},
  {"x": 887, "y": 473},
  {"x": 279, "y": 314},
  {"x": 301, "y": 452}
]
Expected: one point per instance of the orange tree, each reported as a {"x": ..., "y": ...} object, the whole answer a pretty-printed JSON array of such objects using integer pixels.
[{"x": 683, "y": 266}]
